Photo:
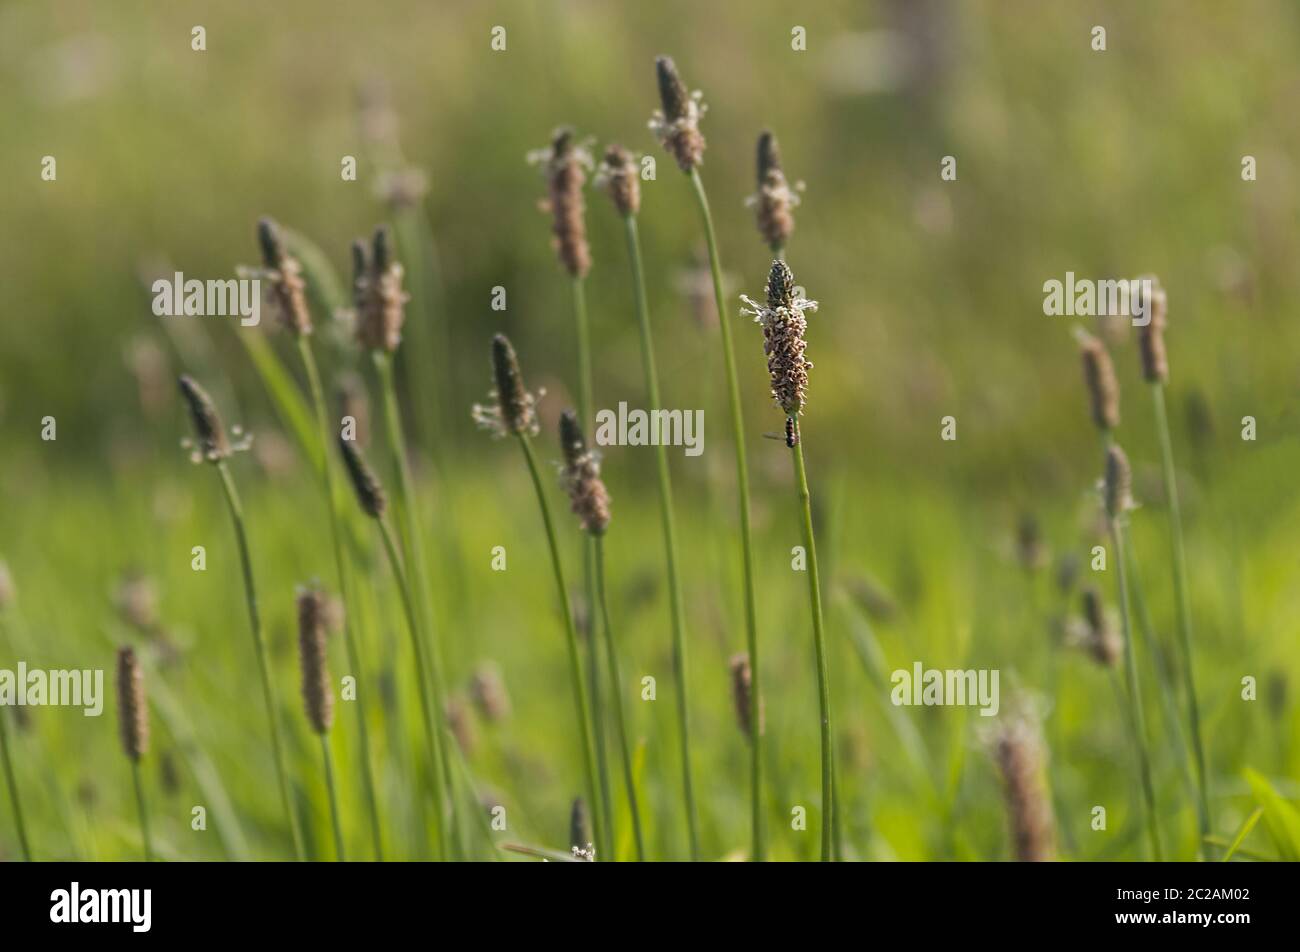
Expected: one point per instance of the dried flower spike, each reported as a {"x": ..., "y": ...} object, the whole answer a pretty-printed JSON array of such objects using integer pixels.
[
  {"x": 1151, "y": 338},
  {"x": 1103, "y": 641},
  {"x": 370, "y": 494},
  {"x": 1118, "y": 485},
  {"x": 316, "y": 693},
  {"x": 132, "y": 712},
  {"x": 775, "y": 199},
  {"x": 677, "y": 124},
  {"x": 213, "y": 445},
  {"x": 379, "y": 298},
  {"x": 1099, "y": 377},
  {"x": 619, "y": 177},
  {"x": 565, "y": 164},
  {"x": 513, "y": 410},
  {"x": 587, "y": 495},
  {"x": 1018, "y": 750},
  {"x": 784, "y": 326},
  {"x": 742, "y": 687},
  {"x": 282, "y": 271}
]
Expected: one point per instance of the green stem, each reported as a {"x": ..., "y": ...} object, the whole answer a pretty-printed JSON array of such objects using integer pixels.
[
  {"x": 259, "y": 646},
  {"x": 742, "y": 484},
  {"x": 12, "y": 782},
  {"x": 616, "y": 699},
  {"x": 1135, "y": 691},
  {"x": 575, "y": 665},
  {"x": 328, "y": 758},
  {"x": 144, "y": 813},
  {"x": 604, "y": 807},
  {"x": 417, "y": 571},
  {"x": 819, "y": 640},
  {"x": 675, "y": 600},
  {"x": 432, "y": 735},
  {"x": 340, "y": 565},
  {"x": 1184, "y": 607}
]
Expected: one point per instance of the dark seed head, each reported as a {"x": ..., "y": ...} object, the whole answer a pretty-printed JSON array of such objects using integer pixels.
[
  {"x": 565, "y": 177},
  {"x": 742, "y": 696},
  {"x": 1151, "y": 338},
  {"x": 1019, "y": 753},
  {"x": 370, "y": 494},
  {"x": 672, "y": 91},
  {"x": 207, "y": 423},
  {"x": 516, "y": 407},
  {"x": 132, "y": 712},
  {"x": 780, "y": 285},
  {"x": 268, "y": 239},
  {"x": 1119, "y": 482},
  {"x": 316, "y": 693}
]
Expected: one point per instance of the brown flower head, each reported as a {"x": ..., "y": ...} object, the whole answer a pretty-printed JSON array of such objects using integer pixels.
[
  {"x": 587, "y": 495},
  {"x": 784, "y": 325},
  {"x": 775, "y": 199},
  {"x": 378, "y": 296},
  {"x": 619, "y": 177},
  {"x": 677, "y": 124},
  {"x": 1019, "y": 754},
  {"x": 1151, "y": 338},
  {"x": 513, "y": 409},
  {"x": 580, "y": 839},
  {"x": 370, "y": 494},
  {"x": 1099, "y": 377},
  {"x": 1102, "y": 641},
  {"x": 132, "y": 712},
  {"x": 1118, "y": 485},
  {"x": 312, "y": 625},
  {"x": 211, "y": 434},
  {"x": 287, "y": 291},
  {"x": 566, "y": 163},
  {"x": 742, "y": 695}
]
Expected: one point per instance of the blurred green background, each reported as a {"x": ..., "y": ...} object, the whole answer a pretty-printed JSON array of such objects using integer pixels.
[{"x": 1106, "y": 164}]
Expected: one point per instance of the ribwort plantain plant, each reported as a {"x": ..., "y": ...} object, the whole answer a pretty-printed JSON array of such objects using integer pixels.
[
  {"x": 618, "y": 176},
  {"x": 133, "y": 727},
  {"x": 374, "y": 503},
  {"x": 282, "y": 272},
  {"x": 212, "y": 446},
  {"x": 590, "y": 503},
  {"x": 783, "y": 323},
  {"x": 1117, "y": 491},
  {"x": 317, "y": 696},
  {"x": 565, "y": 164},
  {"x": 1155, "y": 370},
  {"x": 676, "y": 124},
  {"x": 512, "y": 412},
  {"x": 380, "y": 303}
]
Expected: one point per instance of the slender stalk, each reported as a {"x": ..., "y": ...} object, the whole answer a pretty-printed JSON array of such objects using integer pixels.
[
  {"x": 259, "y": 645},
  {"x": 575, "y": 665},
  {"x": 328, "y": 759},
  {"x": 432, "y": 735},
  {"x": 604, "y": 807},
  {"x": 340, "y": 564},
  {"x": 742, "y": 497},
  {"x": 669, "y": 527},
  {"x": 819, "y": 640},
  {"x": 616, "y": 699},
  {"x": 12, "y": 782},
  {"x": 1184, "y": 607},
  {"x": 143, "y": 811},
  {"x": 1134, "y": 691},
  {"x": 417, "y": 574}
]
